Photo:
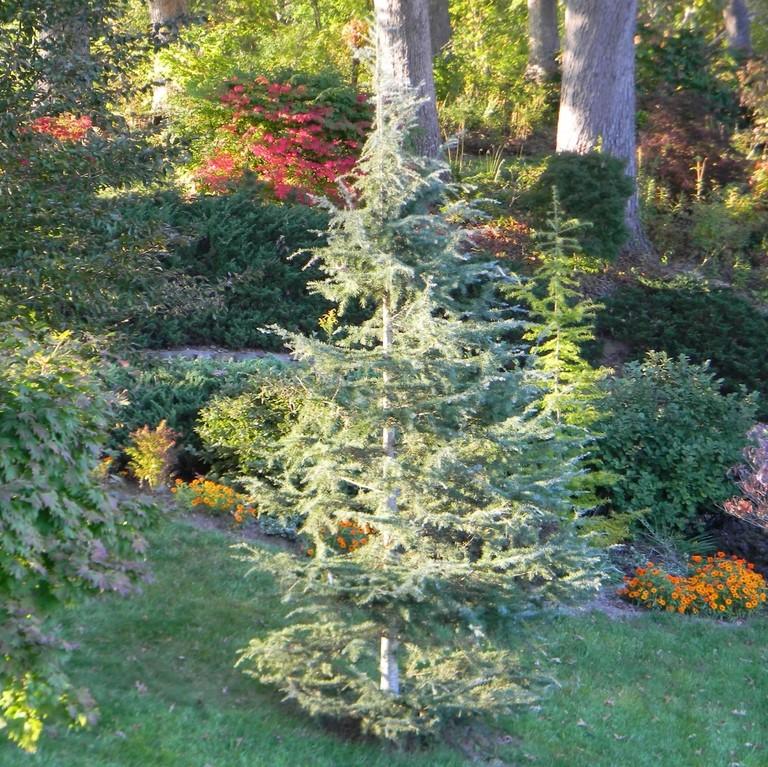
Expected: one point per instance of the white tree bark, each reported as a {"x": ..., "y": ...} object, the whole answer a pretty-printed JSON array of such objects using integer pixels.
[
  {"x": 543, "y": 40},
  {"x": 738, "y": 27},
  {"x": 390, "y": 673},
  {"x": 404, "y": 53},
  {"x": 597, "y": 98},
  {"x": 389, "y": 681},
  {"x": 439, "y": 25},
  {"x": 167, "y": 17}
]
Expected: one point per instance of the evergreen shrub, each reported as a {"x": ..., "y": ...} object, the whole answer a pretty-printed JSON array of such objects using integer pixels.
[
  {"x": 240, "y": 432},
  {"x": 670, "y": 439},
  {"x": 592, "y": 188},
  {"x": 702, "y": 323},
  {"x": 245, "y": 247},
  {"x": 176, "y": 391}
]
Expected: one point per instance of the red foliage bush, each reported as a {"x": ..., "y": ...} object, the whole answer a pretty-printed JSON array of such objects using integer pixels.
[
  {"x": 297, "y": 141},
  {"x": 63, "y": 127}
]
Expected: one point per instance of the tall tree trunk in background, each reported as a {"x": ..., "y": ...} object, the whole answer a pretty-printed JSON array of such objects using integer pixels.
[
  {"x": 737, "y": 27},
  {"x": 597, "y": 98},
  {"x": 404, "y": 61},
  {"x": 543, "y": 40},
  {"x": 439, "y": 25},
  {"x": 65, "y": 48},
  {"x": 167, "y": 17}
]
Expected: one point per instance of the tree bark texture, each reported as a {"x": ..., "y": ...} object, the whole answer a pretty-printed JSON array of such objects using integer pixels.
[
  {"x": 404, "y": 63},
  {"x": 65, "y": 46},
  {"x": 167, "y": 17},
  {"x": 439, "y": 25},
  {"x": 597, "y": 97},
  {"x": 737, "y": 27},
  {"x": 543, "y": 40}
]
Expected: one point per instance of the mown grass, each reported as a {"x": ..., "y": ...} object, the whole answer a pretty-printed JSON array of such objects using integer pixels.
[{"x": 644, "y": 690}]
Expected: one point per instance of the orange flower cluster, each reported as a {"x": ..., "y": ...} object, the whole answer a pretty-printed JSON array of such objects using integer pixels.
[
  {"x": 220, "y": 499},
  {"x": 720, "y": 585},
  {"x": 64, "y": 127},
  {"x": 349, "y": 537}
]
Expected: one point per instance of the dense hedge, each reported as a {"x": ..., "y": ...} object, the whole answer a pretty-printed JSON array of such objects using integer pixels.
[
  {"x": 245, "y": 247},
  {"x": 692, "y": 319},
  {"x": 593, "y": 188}
]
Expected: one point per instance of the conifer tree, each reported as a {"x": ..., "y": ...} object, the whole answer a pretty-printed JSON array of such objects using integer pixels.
[
  {"x": 419, "y": 437},
  {"x": 561, "y": 322}
]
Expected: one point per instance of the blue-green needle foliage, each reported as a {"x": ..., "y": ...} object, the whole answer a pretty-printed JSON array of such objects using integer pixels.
[{"x": 418, "y": 428}]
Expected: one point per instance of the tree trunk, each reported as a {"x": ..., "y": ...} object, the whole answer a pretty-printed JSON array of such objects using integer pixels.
[
  {"x": 543, "y": 40},
  {"x": 597, "y": 97},
  {"x": 65, "y": 47},
  {"x": 737, "y": 27},
  {"x": 167, "y": 17},
  {"x": 390, "y": 673},
  {"x": 439, "y": 25},
  {"x": 404, "y": 63}
]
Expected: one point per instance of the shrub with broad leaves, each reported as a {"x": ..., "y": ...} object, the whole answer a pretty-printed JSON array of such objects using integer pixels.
[
  {"x": 294, "y": 136},
  {"x": 669, "y": 441},
  {"x": 61, "y": 533}
]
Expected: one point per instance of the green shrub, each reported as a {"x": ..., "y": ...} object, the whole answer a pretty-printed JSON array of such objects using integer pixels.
[
  {"x": 684, "y": 60},
  {"x": 670, "y": 439},
  {"x": 702, "y": 323},
  {"x": 240, "y": 432},
  {"x": 245, "y": 247},
  {"x": 61, "y": 534},
  {"x": 176, "y": 390},
  {"x": 592, "y": 188}
]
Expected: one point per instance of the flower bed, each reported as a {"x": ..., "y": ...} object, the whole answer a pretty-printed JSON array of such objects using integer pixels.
[{"x": 721, "y": 585}]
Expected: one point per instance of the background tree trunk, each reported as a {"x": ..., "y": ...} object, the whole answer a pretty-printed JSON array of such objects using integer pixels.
[
  {"x": 597, "y": 98},
  {"x": 404, "y": 61},
  {"x": 439, "y": 25},
  {"x": 543, "y": 40},
  {"x": 167, "y": 17},
  {"x": 737, "y": 27},
  {"x": 65, "y": 48}
]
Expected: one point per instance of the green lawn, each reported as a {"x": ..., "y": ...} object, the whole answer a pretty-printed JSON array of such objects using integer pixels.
[{"x": 648, "y": 690}]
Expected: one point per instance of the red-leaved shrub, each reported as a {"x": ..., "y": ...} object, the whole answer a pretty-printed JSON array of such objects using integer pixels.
[{"x": 298, "y": 140}]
